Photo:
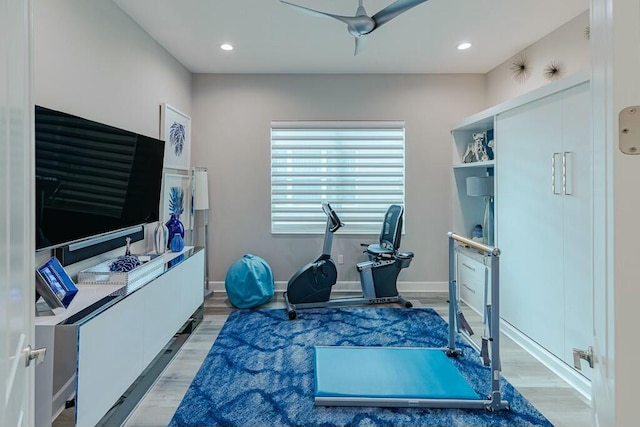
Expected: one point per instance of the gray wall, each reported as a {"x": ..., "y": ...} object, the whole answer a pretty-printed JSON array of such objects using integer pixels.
[
  {"x": 231, "y": 131},
  {"x": 90, "y": 59},
  {"x": 567, "y": 46}
]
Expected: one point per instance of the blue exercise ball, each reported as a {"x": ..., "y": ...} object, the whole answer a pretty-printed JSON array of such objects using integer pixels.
[{"x": 249, "y": 282}]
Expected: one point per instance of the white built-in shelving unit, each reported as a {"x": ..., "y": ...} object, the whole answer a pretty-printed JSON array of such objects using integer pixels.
[
  {"x": 542, "y": 220},
  {"x": 469, "y": 210}
]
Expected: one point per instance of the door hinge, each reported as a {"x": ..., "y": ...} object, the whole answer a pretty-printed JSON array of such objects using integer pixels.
[
  {"x": 629, "y": 130},
  {"x": 579, "y": 355}
]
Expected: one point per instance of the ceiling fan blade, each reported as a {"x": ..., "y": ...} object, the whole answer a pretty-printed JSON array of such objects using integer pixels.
[
  {"x": 346, "y": 19},
  {"x": 360, "y": 43},
  {"x": 393, "y": 10}
]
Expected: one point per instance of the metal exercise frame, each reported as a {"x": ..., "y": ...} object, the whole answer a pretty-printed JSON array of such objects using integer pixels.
[
  {"x": 494, "y": 402},
  {"x": 333, "y": 392}
]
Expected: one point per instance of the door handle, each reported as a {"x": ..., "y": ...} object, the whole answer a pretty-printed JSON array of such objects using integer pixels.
[
  {"x": 567, "y": 167},
  {"x": 469, "y": 267},
  {"x": 553, "y": 173},
  {"x": 37, "y": 354}
]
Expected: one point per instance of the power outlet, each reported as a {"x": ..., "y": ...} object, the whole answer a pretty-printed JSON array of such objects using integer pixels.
[{"x": 340, "y": 259}]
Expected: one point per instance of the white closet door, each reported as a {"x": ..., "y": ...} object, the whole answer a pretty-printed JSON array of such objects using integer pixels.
[
  {"x": 530, "y": 220},
  {"x": 578, "y": 223}
]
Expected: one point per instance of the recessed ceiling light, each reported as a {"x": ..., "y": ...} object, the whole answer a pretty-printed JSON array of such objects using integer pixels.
[
  {"x": 463, "y": 46},
  {"x": 226, "y": 46}
]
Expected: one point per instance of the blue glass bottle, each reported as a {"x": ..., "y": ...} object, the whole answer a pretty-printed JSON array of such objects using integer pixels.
[
  {"x": 175, "y": 226},
  {"x": 177, "y": 243}
]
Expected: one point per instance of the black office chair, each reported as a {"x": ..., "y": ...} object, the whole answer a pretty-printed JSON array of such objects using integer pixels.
[{"x": 389, "y": 241}]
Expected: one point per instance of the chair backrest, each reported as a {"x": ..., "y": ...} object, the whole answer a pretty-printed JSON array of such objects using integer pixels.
[{"x": 392, "y": 228}]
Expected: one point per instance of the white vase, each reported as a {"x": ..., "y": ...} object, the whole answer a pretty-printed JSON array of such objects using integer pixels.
[
  {"x": 487, "y": 224},
  {"x": 160, "y": 238}
]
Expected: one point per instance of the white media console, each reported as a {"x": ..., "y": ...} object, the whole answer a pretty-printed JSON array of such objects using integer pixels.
[{"x": 108, "y": 335}]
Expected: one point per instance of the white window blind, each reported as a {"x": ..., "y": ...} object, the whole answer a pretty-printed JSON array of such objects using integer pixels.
[{"x": 358, "y": 167}]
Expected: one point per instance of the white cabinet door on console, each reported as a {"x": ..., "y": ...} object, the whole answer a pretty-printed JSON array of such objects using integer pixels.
[
  {"x": 110, "y": 349},
  {"x": 192, "y": 285},
  {"x": 169, "y": 303},
  {"x": 162, "y": 315}
]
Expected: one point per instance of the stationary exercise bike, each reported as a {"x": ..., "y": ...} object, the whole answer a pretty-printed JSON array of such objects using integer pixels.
[{"x": 310, "y": 287}]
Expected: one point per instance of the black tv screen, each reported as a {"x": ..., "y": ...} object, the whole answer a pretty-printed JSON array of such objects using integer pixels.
[{"x": 92, "y": 178}]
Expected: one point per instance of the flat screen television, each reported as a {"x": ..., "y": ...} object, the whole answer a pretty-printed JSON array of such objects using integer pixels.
[{"x": 92, "y": 178}]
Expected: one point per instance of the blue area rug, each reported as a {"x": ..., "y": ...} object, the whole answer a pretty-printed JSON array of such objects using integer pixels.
[{"x": 259, "y": 371}]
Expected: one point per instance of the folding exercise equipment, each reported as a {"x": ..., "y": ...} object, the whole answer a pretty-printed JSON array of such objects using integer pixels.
[
  {"x": 310, "y": 287},
  {"x": 410, "y": 376}
]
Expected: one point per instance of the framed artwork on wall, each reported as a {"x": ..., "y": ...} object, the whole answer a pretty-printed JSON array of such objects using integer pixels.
[
  {"x": 176, "y": 198},
  {"x": 175, "y": 130}
]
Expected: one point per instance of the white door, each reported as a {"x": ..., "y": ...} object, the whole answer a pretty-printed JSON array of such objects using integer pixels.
[
  {"x": 577, "y": 183},
  {"x": 529, "y": 205},
  {"x": 615, "y": 37},
  {"x": 17, "y": 245},
  {"x": 544, "y": 203}
]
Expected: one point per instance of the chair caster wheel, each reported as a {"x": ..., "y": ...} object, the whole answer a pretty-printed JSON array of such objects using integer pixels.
[
  {"x": 292, "y": 315},
  {"x": 408, "y": 304}
]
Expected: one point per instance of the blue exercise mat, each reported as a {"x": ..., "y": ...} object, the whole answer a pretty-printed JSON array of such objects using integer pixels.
[{"x": 388, "y": 372}]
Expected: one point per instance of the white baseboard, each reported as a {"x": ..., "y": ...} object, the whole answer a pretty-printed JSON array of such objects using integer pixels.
[
  {"x": 560, "y": 368},
  {"x": 403, "y": 287}
]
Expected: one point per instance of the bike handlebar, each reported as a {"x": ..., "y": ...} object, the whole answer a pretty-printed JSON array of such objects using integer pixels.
[{"x": 333, "y": 216}]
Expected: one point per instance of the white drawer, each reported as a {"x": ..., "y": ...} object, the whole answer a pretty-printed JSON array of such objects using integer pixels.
[{"x": 470, "y": 278}]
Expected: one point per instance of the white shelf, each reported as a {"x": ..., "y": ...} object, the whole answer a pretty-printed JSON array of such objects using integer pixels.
[
  {"x": 468, "y": 211},
  {"x": 487, "y": 164}
]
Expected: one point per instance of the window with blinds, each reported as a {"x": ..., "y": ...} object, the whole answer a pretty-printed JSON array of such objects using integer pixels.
[{"x": 358, "y": 167}]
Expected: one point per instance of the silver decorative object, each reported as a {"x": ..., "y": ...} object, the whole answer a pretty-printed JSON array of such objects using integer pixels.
[{"x": 128, "y": 246}]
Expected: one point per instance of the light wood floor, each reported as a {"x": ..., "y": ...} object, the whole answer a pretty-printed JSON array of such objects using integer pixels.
[{"x": 558, "y": 401}]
